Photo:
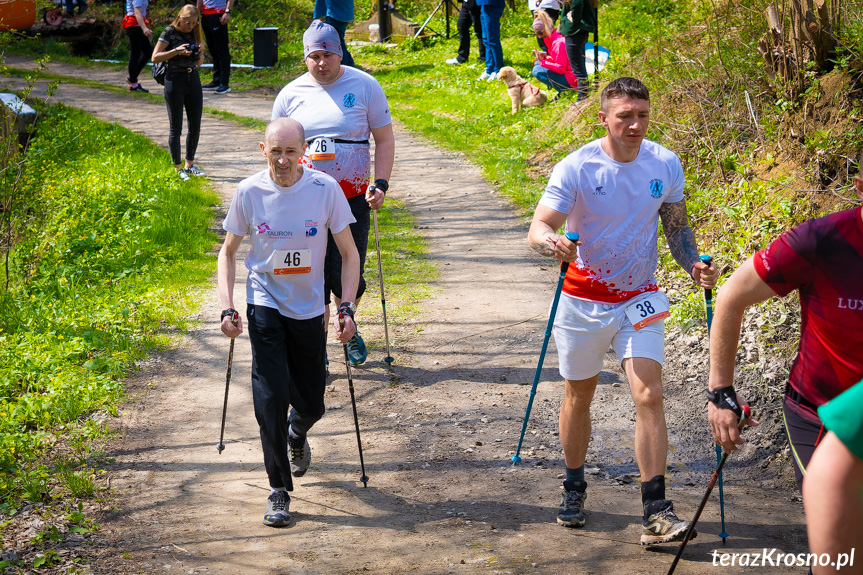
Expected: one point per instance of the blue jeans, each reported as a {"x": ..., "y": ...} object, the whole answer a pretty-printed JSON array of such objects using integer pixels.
[
  {"x": 490, "y": 18},
  {"x": 340, "y": 27},
  {"x": 551, "y": 79}
]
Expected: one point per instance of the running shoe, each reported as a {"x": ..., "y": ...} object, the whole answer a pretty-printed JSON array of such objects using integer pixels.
[
  {"x": 139, "y": 88},
  {"x": 211, "y": 86},
  {"x": 569, "y": 514},
  {"x": 662, "y": 525},
  {"x": 484, "y": 76},
  {"x": 492, "y": 76},
  {"x": 452, "y": 61},
  {"x": 277, "y": 509},
  {"x": 183, "y": 175},
  {"x": 223, "y": 89},
  {"x": 194, "y": 171},
  {"x": 301, "y": 455},
  {"x": 357, "y": 351}
]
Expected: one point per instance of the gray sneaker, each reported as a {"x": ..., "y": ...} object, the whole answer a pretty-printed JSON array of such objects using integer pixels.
[
  {"x": 662, "y": 525},
  {"x": 569, "y": 514},
  {"x": 301, "y": 455},
  {"x": 277, "y": 509}
]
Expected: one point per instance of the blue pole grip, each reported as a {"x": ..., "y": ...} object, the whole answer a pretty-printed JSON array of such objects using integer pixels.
[{"x": 573, "y": 236}]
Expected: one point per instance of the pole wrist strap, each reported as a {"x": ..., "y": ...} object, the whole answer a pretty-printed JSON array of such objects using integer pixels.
[{"x": 725, "y": 398}]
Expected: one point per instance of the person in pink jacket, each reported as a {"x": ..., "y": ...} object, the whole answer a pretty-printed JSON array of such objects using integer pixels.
[{"x": 552, "y": 66}]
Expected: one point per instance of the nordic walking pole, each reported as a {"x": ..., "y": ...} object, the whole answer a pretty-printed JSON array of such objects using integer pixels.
[
  {"x": 745, "y": 415},
  {"x": 708, "y": 303},
  {"x": 571, "y": 236},
  {"x": 364, "y": 478},
  {"x": 388, "y": 359},
  {"x": 235, "y": 317}
]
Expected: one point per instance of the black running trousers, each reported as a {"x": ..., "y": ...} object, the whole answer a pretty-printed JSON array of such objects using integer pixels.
[{"x": 288, "y": 370}]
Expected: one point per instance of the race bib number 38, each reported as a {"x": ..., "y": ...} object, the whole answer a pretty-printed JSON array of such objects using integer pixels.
[
  {"x": 322, "y": 149},
  {"x": 648, "y": 310},
  {"x": 292, "y": 262}
]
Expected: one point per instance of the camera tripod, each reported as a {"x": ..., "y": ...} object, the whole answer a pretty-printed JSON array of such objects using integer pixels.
[{"x": 446, "y": 5}]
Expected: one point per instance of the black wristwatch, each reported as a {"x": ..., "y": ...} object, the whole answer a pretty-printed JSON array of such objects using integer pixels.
[
  {"x": 381, "y": 185},
  {"x": 230, "y": 312},
  {"x": 725, "y": 398}
]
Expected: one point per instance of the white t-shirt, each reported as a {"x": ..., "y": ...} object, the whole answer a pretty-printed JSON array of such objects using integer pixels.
[
  {"x": 288, "y": 232},
  {"x": 614, "y": 207},
  {"x": 348, "y": 109}
]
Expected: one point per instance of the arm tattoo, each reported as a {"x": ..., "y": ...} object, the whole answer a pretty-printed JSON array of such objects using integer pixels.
[
  {"x": 680, "y": 237},
  {"x": 544, "y": 247}
]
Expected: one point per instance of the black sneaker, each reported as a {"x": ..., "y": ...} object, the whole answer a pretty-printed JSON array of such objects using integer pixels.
[
  {"x": 661, "y": 525},
  {"x": 139, "y": 88},
  {"x": 277, "y": 509},
  {"x": 223, "y": 89},
  {"x": 211, "y": 86},
  {"x": 569, "y": 514},
  {"x": 301, "y": 455}
]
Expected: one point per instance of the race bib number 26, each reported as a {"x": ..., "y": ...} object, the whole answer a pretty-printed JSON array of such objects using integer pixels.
[
  {"x": 322, "y": 149},
  {"x": 648, "y": 310},
  {"x": 292, "y": 262}
]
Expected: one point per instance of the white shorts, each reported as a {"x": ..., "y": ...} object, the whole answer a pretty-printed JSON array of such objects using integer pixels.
[{"x": 584, "y": 330}]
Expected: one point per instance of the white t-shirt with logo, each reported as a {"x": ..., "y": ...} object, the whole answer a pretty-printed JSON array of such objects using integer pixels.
[
  {"x": 614, "y": 207},
  {"x": 288, "y": 232},
  {"x": 348, "y": 109}
]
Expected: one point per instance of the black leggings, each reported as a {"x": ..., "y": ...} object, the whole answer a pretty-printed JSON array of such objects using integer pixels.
[
  {"x": 183, "y": 90},
  {"x": 575, "y": 53},
  {"x": 140, "y": 52}
]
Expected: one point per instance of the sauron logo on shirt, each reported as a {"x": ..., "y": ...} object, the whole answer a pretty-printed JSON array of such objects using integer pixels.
[
  {"x": 656, "y": 187},
  {"x": 349, "y": 100}
]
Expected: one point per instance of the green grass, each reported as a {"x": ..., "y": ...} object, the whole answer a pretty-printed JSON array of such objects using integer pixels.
[{"x": 110, "y": 251}]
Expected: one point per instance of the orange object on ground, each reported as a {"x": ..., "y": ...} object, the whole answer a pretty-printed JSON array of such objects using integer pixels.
[{"x": 17, "y": 14}]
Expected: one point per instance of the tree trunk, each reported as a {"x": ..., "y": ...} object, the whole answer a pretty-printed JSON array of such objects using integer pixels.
[{"x": 800, "y": 39}]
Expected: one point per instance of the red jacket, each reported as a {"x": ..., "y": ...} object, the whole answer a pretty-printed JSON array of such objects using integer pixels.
[{"x": 557, "y": 60}]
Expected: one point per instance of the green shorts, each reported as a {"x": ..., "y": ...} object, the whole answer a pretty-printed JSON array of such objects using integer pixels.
[{"x": 844, "y": 417}]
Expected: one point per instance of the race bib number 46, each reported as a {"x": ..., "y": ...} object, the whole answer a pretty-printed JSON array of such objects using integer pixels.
[
  {"x": 322, "y": 149},
  {"x": 648, "y": 310},
  {"x": 292, "y": 262}
]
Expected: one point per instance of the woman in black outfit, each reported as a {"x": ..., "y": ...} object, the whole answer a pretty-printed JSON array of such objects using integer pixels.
[{"x": 180, "y": 44}]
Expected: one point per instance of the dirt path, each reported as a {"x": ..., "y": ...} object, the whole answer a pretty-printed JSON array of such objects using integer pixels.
[{"x": 437, "y": 432}]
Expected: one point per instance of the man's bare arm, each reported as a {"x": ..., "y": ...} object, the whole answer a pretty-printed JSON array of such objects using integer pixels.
[
  {"x": 543, "y": 228},
  {"x": 680, "y": 237}
]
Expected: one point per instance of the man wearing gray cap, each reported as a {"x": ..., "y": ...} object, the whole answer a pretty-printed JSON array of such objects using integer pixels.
[{"x": 339, "y": 107}]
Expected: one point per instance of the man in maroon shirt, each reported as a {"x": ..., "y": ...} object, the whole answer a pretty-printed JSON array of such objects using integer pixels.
[{"x": 823, "y": 259}]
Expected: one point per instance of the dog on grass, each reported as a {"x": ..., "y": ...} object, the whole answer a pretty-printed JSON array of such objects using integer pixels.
[{"x": 521, "y": 92}]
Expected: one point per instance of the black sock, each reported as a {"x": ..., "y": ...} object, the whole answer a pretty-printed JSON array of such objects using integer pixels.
[{"x": 653, "y": 490}]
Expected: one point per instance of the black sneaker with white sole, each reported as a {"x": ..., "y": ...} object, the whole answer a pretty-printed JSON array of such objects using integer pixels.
[
  {"x": 661, "y": 525},
  {"x": 211, "y": 86},
  {"x": 277, "y": 509},
  {"x": 301, "y": 455},
  {"x": 570, "y": 514}
]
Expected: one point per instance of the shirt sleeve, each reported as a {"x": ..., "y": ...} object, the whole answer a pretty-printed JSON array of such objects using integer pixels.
[
  {"x": 379, "y": 108},
  {"x": 788, "y": 263},
  {"x": 341, "y": 216},
  {"x": 675, "y": 192},
  {"x": 560, "y": 193},
  {"x": 236, "y": 221}
]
